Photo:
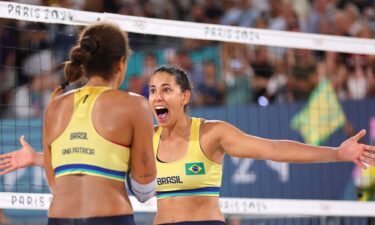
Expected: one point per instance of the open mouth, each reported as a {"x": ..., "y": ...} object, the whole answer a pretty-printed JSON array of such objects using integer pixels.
[{"x": 161, "y": 112}]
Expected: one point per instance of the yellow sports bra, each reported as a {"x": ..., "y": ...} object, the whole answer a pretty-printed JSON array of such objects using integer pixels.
[
  {"x": 81, "y": 150},
  {"x": 193, "y": 175}
]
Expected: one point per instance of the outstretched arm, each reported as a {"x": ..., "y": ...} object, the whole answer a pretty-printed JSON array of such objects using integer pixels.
[
  {"x": 236, "y": 143},
  {"x": 23, "y": 157}
]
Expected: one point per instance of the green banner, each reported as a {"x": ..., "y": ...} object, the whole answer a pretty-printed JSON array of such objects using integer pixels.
[{"x": 321, "y": 117}]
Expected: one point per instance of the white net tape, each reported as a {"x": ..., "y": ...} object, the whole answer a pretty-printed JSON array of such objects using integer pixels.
[
  {"x": 240, "y": 206},
  {"x": 189, "y": 29},
  {"x": 249, "y": 206}
]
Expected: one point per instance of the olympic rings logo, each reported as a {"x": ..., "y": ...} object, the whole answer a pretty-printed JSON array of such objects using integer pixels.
[{"x": 140, "y": 24}]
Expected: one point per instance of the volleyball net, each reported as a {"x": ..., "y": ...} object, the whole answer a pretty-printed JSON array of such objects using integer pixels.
[{"x": 317, "y": 89}]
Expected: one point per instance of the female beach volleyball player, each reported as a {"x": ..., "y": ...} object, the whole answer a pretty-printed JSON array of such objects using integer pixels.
[
  {"x": 93, "y": 135},
  {"x": 186, "y": 147}
]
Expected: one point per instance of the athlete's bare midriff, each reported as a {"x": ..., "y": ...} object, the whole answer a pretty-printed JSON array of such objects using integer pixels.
[
  {"x": 82, "y": 196},
  {"x": 188, "y": 208}
]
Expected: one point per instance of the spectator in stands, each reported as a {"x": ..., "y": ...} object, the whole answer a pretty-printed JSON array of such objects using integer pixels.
[
  {"x": 149, "y": 65},
  {"x": 262, "y": 72},
  {"x": 185, "y": 62},
  {"x": 32, "y": 98},
  {"x": 237, "y": 84},
  {"x": 321, "y": 9},
  {"x": 31, "y": 38},
  {"x": 369, "y": 60},
  {"x": 303, "y": 77},
  {"x": 342, "y": 23},
  {"x": 277, "y": 89},
  {"x": 291, "y": 19},
  {"x": 197, "y": 13},
  {"x": 240, "y": 13},
  {"x": 7, "y": 60},
  {"x": 325, "y": 26},
  {"x": 213, "y": 11},
  {"x": 371, "y": 78},
  {"x": 211, "y": 91},
  {"x": 333, "y": 68},
  {"x": 236, "y": 73},
  {"x": 110, "y": 6},
  {"x": 276, "y": 17},
  {"x": 357, "y": 82},
  {"x": 301, "y": 9},
  {"x": 352, "y": 15}
]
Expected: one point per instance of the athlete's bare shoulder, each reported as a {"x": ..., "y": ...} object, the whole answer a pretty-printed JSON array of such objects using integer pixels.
[
  {"x": 213, "y": 128},
  {"x": 121, "y": 96},
  {"x": 58, "y": 114},
  {"x": 58, "y": 104},
  {"x": 124, "y": 102},
  {"x": 210, "y": 124}
]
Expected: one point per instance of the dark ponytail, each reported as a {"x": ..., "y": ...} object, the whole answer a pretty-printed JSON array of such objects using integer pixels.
[{"x": 98, "y": 50}]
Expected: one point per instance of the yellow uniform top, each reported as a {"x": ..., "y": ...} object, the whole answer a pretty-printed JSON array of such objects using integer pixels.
[
  {"x": 192, "y": 175},
  {"x": 367, "y": 179},
  {"x": 81, "y": 150}
]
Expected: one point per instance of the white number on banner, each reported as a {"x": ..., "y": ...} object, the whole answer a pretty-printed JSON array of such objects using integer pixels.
[{"x": 244, "y": 175}]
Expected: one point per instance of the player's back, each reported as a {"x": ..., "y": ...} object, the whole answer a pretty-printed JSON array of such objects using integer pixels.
[{"x": 90, "y": 132}]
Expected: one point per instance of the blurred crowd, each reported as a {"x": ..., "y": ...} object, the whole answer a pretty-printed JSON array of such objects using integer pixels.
[{"x": 32, "y": 54}]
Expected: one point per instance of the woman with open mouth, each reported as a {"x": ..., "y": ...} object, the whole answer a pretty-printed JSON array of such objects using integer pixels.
[{"x": 190, "y": 151}]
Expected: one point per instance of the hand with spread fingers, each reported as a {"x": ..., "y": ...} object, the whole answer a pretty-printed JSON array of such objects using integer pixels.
[
  {"x": 358, "y": 153},
  {"x": 23, "y": 157}
]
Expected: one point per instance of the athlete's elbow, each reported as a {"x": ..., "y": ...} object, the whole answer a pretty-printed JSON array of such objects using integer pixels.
[{"x": 142, "y": 191}]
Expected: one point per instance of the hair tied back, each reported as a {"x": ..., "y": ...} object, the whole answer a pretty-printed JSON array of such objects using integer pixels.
[
  {"x": 89, "y": 44},
  {"x": 64, "y": 84}
]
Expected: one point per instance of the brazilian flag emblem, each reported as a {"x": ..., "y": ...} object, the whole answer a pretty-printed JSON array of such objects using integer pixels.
[{"x": 196, "y": 168}]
